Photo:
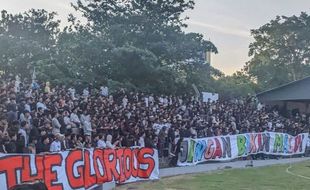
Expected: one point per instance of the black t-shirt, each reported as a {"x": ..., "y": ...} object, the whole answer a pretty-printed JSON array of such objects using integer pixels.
[
  {"x": 185, "y": 133},
  {"x": 41, "y": 147},
  {"x": 148, "y": 143},
  {"x": 11, "y": 147},
  {"x": 20, "y": 143},
  {"x": 171, "y": 135},
  {"x": 12, "y": 107},
  {"x": 34, "y": 134},
  {"x": 2, "y": 146}
]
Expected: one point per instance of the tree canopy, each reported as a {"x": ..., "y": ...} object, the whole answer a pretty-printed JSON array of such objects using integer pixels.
[
  {"x": 135, "y": 44},
  {"x": 280, "y": 51},
  {"x": 27, "y": 40},
  {"x": 141, "y": 45}
]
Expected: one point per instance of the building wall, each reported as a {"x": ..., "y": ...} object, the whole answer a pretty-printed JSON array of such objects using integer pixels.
[{"x": 303, "y": 107}]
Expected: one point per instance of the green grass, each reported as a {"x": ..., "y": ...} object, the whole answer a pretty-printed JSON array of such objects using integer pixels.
[{"x": 264, "y": 178}]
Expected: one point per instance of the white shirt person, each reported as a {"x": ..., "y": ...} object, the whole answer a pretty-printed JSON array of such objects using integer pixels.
[
  {"x": 56, "y": 144},
  {"x": 101, "y": 143}
]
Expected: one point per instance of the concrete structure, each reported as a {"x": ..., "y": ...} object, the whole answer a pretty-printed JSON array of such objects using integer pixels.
[{"x": 294, "y": 95}]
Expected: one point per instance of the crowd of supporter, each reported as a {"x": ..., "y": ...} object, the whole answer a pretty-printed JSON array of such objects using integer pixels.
[{"x": 38, "y": 118}]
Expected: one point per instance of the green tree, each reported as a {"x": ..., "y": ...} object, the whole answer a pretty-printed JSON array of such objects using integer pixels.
[
  {"x": 83, "y": 57},
  {"x": 27, "y": 40},
  {"x": 280, "y": 51},
  {"x": 136, "y": 44},
  {"x": 150, "y": 28},
  {"x": 237, "y": 85}
]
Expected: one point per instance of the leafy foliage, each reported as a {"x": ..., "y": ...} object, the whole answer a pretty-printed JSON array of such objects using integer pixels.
[
  {"x": 133, "y": 44},
  {"x": 281, "y": 51},
  {"x": 27, "y": 40},
  {"x": 148, "y": 48},
  {"x": 239, "y": 84}
]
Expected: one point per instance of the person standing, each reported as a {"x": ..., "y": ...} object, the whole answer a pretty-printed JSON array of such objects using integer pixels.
[
  {"x": 86, "y": 122},
  {"x": 12, "y": 111},
  {"x": 23, "y": 137},
  {"x": 141, "y": 140},
  {"x": 56, "y": 144},
  {"x": 55, "y": 123},
  {"x": 43, "y": 145},
  {"x": 11, "y": 146},
  {"x": 101, "y": 143},
  {"x": 176, "y": 152},
  {"x": 110, "y": 144},
  {"x": 67, "y": 142},
  {"x": 75, "y": 119}
]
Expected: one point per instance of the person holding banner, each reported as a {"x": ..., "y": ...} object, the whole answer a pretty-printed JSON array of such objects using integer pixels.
[
  {"x": 111, "y": 145},
  {"x": 127, "y": 115},
  {"x": 43, "y": 146},
  {"x": 101, "y": 143},
  {"x": 56, "y": 144},
  {"x": 177, "y": 150}
]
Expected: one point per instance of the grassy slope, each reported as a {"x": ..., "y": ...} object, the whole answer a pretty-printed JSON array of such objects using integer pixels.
[{"x": 265, "y": 178}]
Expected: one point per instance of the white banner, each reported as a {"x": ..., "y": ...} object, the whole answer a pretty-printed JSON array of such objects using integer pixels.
[
  {"x": 207, "y": 96},
  {"x": 157, "y": 127},
  {"x": 80, "y": 169},
  {"x": 194, "y": 151}
]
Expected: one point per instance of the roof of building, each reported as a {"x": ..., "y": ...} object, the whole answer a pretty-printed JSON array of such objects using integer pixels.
[{"x": 293, "y": 91}]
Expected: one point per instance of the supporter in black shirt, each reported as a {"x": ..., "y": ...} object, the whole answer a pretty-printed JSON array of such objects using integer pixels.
[
  {"x": 34, "y": 134},
  {"x": 43, "y": 145},
  {"x": 149, "y": 143},
  {"x": 11, "y": 145},
  {"x": 125, "y": 115}
]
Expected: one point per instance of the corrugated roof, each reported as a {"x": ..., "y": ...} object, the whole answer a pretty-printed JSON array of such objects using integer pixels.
[{"x": 296, "y": 90}]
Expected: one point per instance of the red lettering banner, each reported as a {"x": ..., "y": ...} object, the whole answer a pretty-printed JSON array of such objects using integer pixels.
[{"x": 81, "y": 168}]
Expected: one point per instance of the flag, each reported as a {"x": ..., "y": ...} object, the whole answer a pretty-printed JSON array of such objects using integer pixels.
[
  {"x": 34, "y": 84},
  {"x": 33, "y": 75},
  {"x": 196, "y": 90}
]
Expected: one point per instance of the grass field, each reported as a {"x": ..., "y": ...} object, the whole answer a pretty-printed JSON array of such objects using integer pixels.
[{"x": 265, "y": 178}]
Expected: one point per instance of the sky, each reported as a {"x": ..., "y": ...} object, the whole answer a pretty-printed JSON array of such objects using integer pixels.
[{"x": 227, "y": 23}]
